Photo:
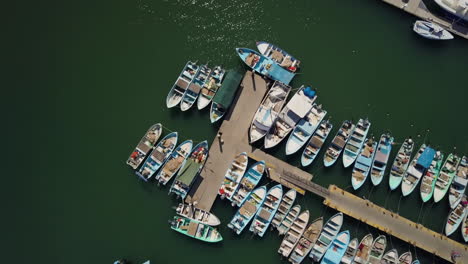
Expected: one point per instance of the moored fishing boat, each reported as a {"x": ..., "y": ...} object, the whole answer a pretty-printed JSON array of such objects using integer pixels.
[
  {"x": 299, "y": 105},
  {"x": 268, "y": 111},
  {"x": 175, "y": 161},
  {"x": 377, "y": 250},
  {"x": 416, "y": 262},
  {"x": 181, "y": 84},
  {"x": 264, "y": 66},
  {"x": 304, "y": 129},
  {"x": 316, "y": 142},
  {"x": 381, "y": 158},
  {"x": 289, "y": 219},
  {"x": 145, "y": 145},
  {"x": 464, "y": 228},
  {"x": 281, "y": 57},
  {"x": 190, "y": 170},
  {"x": 456, "y": 216},
  {"x": 337, "y": 249},
  {"x": 416, "y": 169},
  {"x": 390, "y": 257},
  {"x": 406, "y": 258},
  {"x": 363, "y": 163},
  {"x": 193, "y": 90},
  {"x": 328, "y": 234},
  {"x": 307, "y": 241},
  {"x": 250, "y": 180},
  {"x": 225, "y": 95},
  {"x": 286, "y": 204},
  {"x": 338, "y": 143},
  {"x": 210, "y": 88},
  {"x": 431, "y": 30},
  {"x": 445, "y": 177},
  {"x": 158, "y": 156},
  {"x": 266, "y": 212},
  {"x": 247, "y": 210},
  {"x": 356, "y": 142},
  {"x": 362, "y": 255},
  {"x": 430, "y": 177},
  {"x": 233, "y": 175},
  {"x": 350, "y": 252},
  {"x": 294, "y": 234},
  {"x": 401, "y": 163},
  {"x": 458, "y": 187},
  {"x": 196, "y": 229},
  {"x": 197, "y": 214}
]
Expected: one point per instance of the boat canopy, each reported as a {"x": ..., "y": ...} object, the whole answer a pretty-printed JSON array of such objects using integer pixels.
[
  {"x": 426, "y": 157},
  {"x": 301, "y": 104},
  {"x": 188, "y": 173},
  {"x": 226, "y": 93},
  {"x": 278, "y": 73}
]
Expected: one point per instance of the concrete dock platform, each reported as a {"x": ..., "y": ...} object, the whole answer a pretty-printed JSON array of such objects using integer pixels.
[{"x": 419, "y": 9}]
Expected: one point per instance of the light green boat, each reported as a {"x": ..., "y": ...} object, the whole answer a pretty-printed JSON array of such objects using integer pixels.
[
  {"x": 196, "y": 230},
  {"x": 430, "y": 177},
  {"x": 446, "y": 176},
  {"x": 401, "y": 163}
]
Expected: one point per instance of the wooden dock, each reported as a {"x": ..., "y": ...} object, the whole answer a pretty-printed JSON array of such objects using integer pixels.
[
  {"x": 419, "y": 9},
  {"x": 235, "y": 136}
]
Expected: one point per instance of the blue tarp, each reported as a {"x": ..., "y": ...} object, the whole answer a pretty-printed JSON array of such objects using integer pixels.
[
  {"x": 426, "y": 157},
  {"x": 278, "y": 73}
]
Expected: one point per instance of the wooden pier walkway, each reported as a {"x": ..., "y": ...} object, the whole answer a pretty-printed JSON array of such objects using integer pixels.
[
  {"x": 235, "y": 136},
  {"x": 419, "y": 9}
]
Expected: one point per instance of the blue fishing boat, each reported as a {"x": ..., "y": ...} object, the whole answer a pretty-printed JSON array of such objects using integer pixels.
[
  {"x": 247, "y": 210},
  {"x": 281, "y": 57},
  {"x": 181, "y": 84},
  {"x": 264, "y": 66},
  {"x": 233, "y": 175},
  {"x": 211, "y": 87},
  {"x": 264, "y": 216},
  {"x": 158, "y": 156},
  {"x": 175, "y": 161},
  {"x": 190, "y": 170},
  {"x": 145, "y": 145},
  {"x": 297, "y": 108},
  {"x": 356, "y": 141},
  {"x": 363, "y": 163},
  {"x": 304, "y": 129},
  {"x": 328, "y": 234},
  {"x": 416, "y": 170},
  {"x": 192, "y": 92},
  {"x": 250, "y": 180},
  {"x": 338, "y": 143},
  {"x": 337, "y": 249},
  {"x": 381, "y": 158},
  {"x": 316, "y": 142}
]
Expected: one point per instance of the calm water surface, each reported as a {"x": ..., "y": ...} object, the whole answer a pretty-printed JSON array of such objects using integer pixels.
[{"x": 101, "y": 75}]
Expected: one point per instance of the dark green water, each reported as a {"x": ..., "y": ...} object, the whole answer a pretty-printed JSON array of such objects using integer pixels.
[{"x": 88, "y": 79}]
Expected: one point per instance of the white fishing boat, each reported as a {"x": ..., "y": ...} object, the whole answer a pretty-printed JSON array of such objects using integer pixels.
[
  {"x": 281, "y": 57},
  {"x": 430, "y": 177},
  {"x": 363, "y": 164},
  {"x": 174, "y": 162},
  {"x": 350, "y": 252},
  {"x": 377, "y": 250},
  {"x": 288, "y": 220},
  {"x": 306, "y": 242},
  {"x": 191, "y": 93},
  {"x": 181, "y": 84},
  {"x": 315, "y": 144},
  {"x": 406, "y": 258},
  {"x": 304, "y": 129},
  {"x": 416, "y": 169},
  {"x": 145, "y": 145},
  {"x": 446, "y": 176},
  {"x": 210, "y": 88},
  {"x": 457, "y": 8},
  {"x": 268, "y": 110},
  {"x": 464, "y": 228},
  {"x": 431, "y": 30},
  {"x": 197, "y": 214},
  {"x": 362, "y": 255},
  {"x": 328, "y": 234},
  {"x": 299, "y": 105},
  {"x": 233, "y": 175},
  {"x": 456, "y": 217},
  {"x": 286, "y": 204},
  {"x": 401, "y": 163},
  {"x": 250, "y": 180},
  {"x": 458, "y": 187},
  {"x": 338, "y": 143},
  {"x": 294, "y": 234},
  {"x": 390, "y": 257},
  {"x": 355, "y": 143}
]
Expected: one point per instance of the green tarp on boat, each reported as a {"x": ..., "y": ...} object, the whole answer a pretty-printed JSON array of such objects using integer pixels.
[
  {"x": 188, "y": 172},
  {"x": 226, "y": 93}
]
